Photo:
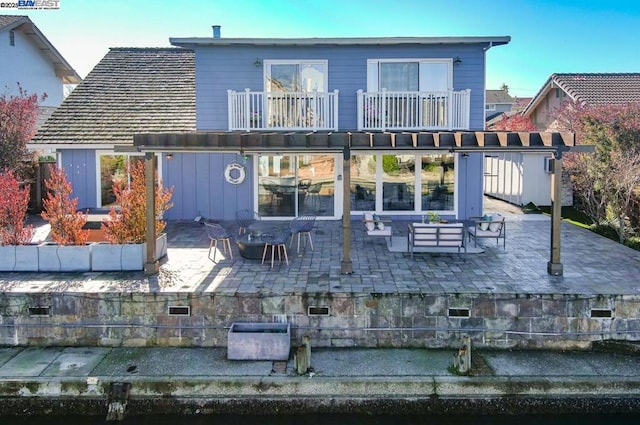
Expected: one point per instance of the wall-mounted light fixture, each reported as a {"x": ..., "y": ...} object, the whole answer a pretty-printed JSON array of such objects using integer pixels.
[
  {"x": 457, "y": 60},
  {"x": 169, "y": 156},
  {"x": 257, "y": 63}
]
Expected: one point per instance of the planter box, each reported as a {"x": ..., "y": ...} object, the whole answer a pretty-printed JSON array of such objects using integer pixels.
[
  {"x": 259, "y": 341},
  {"x": 112, "y": 257},
  {"x": 19, "y": 258},
  {"x": 64, "y": 258}
]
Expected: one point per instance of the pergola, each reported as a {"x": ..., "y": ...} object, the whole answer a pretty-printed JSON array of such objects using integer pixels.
[{"x": 555, "y": 144}]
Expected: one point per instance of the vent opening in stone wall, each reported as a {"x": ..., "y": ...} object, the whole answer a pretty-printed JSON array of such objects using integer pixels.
[
  {"x": 40, "y": 311},
  {"x": 318, "y": 311},
  {"x": 601, "y": 313},
  {"x": 459, "y": 312},
  {"x": 179, "y": 310}
]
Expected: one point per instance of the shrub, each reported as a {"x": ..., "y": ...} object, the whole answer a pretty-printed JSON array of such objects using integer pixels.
[
  {"x": 129, "y": 224},
  {"x": 60, "y": 210},
  {"x": 13, "y": 210}
]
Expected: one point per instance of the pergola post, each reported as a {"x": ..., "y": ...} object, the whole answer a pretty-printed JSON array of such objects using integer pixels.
[
  {"x": 151, "y": 264},
  {"x": 554, "y": 266},
  {"x": 346, "y": 267}
]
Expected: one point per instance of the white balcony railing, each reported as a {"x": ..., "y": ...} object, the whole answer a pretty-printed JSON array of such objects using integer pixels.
[
  {"x": 283, "y": 110},
  {"x": 441, "y": 110}
]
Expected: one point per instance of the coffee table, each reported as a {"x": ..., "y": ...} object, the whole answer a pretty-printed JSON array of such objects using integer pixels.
[{"x": 250, "y": 248}]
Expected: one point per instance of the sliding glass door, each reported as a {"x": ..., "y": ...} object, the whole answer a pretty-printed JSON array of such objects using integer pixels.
[{"x": 293, "y": 185}]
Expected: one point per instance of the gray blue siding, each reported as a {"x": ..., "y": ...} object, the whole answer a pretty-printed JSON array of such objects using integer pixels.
[
  {"x": 80, "y": 166},
  {"x": 232, "y": 68}
]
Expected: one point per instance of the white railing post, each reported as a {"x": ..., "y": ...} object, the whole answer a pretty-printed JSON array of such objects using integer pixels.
[
  {"x": 450, "y": 104},
  {"x": 315, "y": 110},
  {"x": 230, "y": 109},
  {"x": 383, "y": 110},
  {"x": 360, "y": 111},
  {"x": 247, "y": 110},
  {"x": 467, "y": 112},
  {"x": 335, "y": 109}
]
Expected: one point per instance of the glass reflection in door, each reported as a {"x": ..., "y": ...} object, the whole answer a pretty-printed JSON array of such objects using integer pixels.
[{"x": 292, "y": 185}]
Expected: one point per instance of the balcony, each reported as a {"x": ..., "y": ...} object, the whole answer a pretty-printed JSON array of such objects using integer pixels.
[
  {"x": 386, "y": 110},
  {"x": 308, "y": 111}
]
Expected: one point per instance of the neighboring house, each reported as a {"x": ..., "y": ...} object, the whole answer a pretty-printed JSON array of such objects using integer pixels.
[
  {"x": 271, "y": 125},
  {"x": 523, "y": 178},
  {"x": 497, "y": 102},
  {"x": 520, "y": 103},
  {"x": 29, "y": 58}
]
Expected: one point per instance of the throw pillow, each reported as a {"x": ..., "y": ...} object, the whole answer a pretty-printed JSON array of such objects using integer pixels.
[
  {"x": 380, "y": 225},
  {"x": 369, "y": 224},
  {"x": 484, "y": 225},
  {"x": 495, "y": 227}
]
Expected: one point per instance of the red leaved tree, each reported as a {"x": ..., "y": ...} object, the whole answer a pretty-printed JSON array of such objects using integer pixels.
[
  {"x": 60, "y": 210},
  {"x": 18, "y": 121},
  {"x": 13, "y": 211},
  {"x": 129, "y": 224},
  {"x": 515, "y": 122}
]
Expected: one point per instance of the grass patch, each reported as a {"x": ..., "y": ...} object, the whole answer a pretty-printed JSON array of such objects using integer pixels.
[
  {"x": 571, "y": 215},
  {"x": 575, "y": 217}
]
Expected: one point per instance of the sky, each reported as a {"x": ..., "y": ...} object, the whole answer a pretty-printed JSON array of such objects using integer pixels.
[{"x": 547, "y": 36}]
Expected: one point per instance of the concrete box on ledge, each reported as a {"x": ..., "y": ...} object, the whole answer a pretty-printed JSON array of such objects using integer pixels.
[{"x": 259, "y": 341}]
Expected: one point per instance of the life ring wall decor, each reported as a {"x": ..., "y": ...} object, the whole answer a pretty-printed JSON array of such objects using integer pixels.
[{"x": 235, "y": 173}]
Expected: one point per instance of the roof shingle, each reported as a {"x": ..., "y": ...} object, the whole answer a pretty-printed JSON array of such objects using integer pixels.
[{"x": 131, "y": 90}]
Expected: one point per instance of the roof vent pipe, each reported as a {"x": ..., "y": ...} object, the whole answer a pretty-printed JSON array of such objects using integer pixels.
[{"x": 216, "y": 31}]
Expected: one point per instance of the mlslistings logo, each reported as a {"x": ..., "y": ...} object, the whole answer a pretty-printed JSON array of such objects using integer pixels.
[{"x": 31, "y": 4}]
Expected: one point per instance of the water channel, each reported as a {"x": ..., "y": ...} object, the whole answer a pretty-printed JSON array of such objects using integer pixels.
[{"x": 332, "y": 419}]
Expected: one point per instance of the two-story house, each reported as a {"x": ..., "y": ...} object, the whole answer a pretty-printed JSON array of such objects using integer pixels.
[
  {"x": 29, "y": 58},
  {"x": 275, "y": 101},
  {"x": 497, "y": 102}
]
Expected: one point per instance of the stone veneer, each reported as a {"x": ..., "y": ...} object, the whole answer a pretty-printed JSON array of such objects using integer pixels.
[{"x": 353, "y": 320}]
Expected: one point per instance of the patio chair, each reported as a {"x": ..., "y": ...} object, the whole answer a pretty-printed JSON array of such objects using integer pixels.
[
  {"x": 218, "y": 233},
  {"x": 301, "y": 226},
  {"x": 313, "y": 195},
  {"x": 276, "y": 241},
  {"x": 488, "y": 226},
  {"x": 246, "y": 218}
]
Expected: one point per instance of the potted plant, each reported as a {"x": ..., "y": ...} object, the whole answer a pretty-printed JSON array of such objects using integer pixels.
[
  {"x": 125, "y": 229},
  {"x": 70, "y": 251},
  {"x": 434, "y": 217},
  {"x": 16, "y": 251}
]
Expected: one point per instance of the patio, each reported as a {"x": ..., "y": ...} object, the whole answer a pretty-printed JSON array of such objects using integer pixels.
[{"x": 593, "y": 264}]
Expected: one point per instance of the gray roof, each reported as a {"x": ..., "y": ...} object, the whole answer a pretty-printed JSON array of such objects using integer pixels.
[
  {"x": 22, "y": 23},
  {"x": 131, "y": 90},
  {"x": 593, "y": 89},
  {"x": 332, "y": 41},
  {"x": 499, "y": 96}
]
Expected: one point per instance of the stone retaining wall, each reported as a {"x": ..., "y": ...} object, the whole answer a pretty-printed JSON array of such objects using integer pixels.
[{"x": 331, "y": 320}]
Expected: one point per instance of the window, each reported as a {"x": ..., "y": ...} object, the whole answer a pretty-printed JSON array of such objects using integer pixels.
[
  {"x": 291, "y": 101},
  {"x": 114, "y": 170},
  {"x": 12, "y": 38},
  {"x": 409, "y": 75},
  {"x": 296, "y": 76},
  {"x": 388, "y": 182},
  {"x": 490, "y": 107}
]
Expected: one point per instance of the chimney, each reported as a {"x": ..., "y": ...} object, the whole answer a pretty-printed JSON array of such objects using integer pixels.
[{"x": 216, "y": 31}]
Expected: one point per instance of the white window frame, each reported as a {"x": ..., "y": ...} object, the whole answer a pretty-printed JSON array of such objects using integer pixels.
[
  {"x": 373, "y": 71},
  {"x": 269, "y": 62},
  {"x": 379, "y": 202},
  {"x": 490, "y": 107},
  {"x": 99, "y": 153}
]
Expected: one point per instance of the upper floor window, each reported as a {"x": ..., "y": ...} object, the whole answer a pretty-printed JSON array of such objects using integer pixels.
[
  {"x": 409, "y": 75},
  {"x": 490, "y": 107},
  {"x": 12, "y": 38},
  {"x": 296, "y": 76}
]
